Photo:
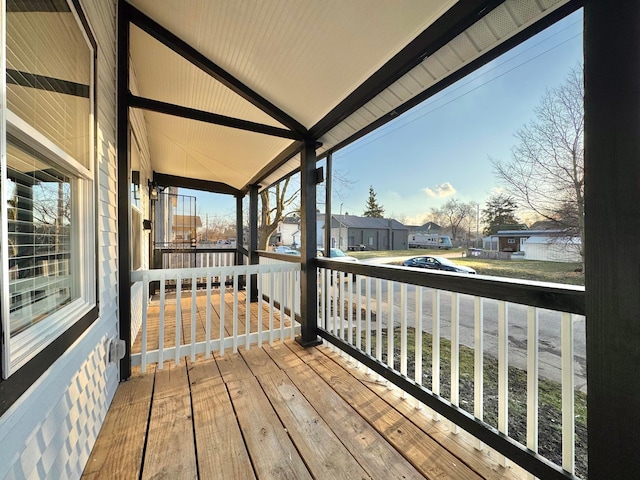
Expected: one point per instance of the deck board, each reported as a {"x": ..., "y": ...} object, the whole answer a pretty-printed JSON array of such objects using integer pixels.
[
  {"x": 121, "y": 452},
  {"x": 272, "y": 452},
  {"x": 461, "y": 444},
  {"x": 421, "y": 450},
  {"x": 324, "y": 453},
  {"x": 170, "y": 451},
  {"x": 221, "y": 449}
]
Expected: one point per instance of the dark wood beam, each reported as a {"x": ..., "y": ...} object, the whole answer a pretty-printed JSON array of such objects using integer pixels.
[
  {"x": 208, "y": 117},
  {"x": 453, "y": 22},
  {"x": 612, "y": 220},
  {"x": 192, "y": 55},
  {"x": 284, "y": 156},
  {"x": 167, "y": 180}
]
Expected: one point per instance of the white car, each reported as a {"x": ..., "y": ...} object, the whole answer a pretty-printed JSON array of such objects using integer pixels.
[
  {"x": 286, "y": 250},
  {"x": 337, "y": 254}
]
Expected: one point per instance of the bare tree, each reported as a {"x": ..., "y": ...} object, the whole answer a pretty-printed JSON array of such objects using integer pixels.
[
  {"x": 453, "y": 215},
  {"x": 546, "y": 169},
  {"x": 276, "y": 203},
  {"x": 282, "y": 200}
]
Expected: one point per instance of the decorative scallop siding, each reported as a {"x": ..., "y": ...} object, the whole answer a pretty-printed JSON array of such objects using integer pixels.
[{"x": 50, "y": 431}]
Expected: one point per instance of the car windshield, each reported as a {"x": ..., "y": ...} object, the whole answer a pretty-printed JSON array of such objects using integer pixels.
[
  {"x": 337, "y": 253},
  {"x": 445, "y": 261}
]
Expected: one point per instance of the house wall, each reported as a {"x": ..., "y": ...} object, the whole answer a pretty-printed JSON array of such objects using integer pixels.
[
  {"x": 552, "y": 252},
  {"x": 139, "y": 136},
  {"x": 373, "y": 239},
  {"x": 50, "y": 431},
  {"x": 509, "y": 244},
  {"x": 287, "y": 231}
]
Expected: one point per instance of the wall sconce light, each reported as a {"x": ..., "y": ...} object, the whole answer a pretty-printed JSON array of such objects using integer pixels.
[
  {"x": 153, "y": 190},
  {"x": 135, "y": 180}
]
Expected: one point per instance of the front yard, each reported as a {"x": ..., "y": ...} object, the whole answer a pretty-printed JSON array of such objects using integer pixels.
[{"x": 556, "y": 272}]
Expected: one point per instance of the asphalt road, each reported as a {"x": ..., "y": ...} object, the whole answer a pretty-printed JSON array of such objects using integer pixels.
[{"x": 549, "y": 327}]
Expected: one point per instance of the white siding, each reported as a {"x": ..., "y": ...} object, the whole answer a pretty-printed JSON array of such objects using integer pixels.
[
  {"x": 50, "y": 430},
  {"x": 552, "y": 249}
]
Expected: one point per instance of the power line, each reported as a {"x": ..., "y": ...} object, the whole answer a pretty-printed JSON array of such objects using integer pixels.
[{"x": 407, "y": 120}]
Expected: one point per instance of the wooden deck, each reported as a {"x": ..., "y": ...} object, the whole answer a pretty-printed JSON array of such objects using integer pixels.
[
  {"x": 275, "y": 412},
  {"x": 221, "y": 320}
]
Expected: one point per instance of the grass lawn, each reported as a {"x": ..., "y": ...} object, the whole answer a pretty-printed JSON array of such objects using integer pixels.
[{"x": 557, "y": 272}]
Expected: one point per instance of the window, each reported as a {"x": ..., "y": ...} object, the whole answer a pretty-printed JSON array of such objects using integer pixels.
[{"x": 47, "y": 189}]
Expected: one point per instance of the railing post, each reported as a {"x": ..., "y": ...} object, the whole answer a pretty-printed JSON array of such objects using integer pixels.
[
  {"x": 239, "y": 239},
  {"x": 308, "y": 272},
  {"x": 253, "y": 238}
]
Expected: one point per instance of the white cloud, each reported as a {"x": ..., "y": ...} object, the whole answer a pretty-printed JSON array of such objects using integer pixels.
[{"x": 443, "y": 190}]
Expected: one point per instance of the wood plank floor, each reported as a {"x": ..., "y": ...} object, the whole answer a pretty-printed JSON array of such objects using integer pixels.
[
  {"x": 277, "y": 412},
  {"x": 271, "y": 326}
]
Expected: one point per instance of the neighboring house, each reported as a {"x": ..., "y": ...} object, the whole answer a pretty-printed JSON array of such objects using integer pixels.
[
  {"x": 512, "y": 240},
  {"x": 552, "y": 248},
  {"x": 373, "y": 233},
  {"x": 288, "y": 233},
  {"x": 429, "y": 227},
  {"x": 185, "y": 228}
]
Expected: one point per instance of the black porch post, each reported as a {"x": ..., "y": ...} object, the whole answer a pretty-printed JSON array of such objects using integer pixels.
[
  {"x": 308, "y": 274},
  {"x": 328, "y": 186},
  {"x": 124, "y": 196},
  {"x": 239, "y": 236},
  {"x": 612, "y": 205},
  {"x": 253, "y": 238}
]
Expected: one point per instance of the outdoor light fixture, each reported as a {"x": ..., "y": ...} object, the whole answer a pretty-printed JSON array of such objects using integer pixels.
[{"x": 153, "y": 190}]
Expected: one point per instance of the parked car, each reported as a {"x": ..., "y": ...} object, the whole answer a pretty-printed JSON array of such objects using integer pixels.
[
  {"x": 437, "y": 263},
  {"x": 337, "y": 254},
  {"x": 286, "y": 250}
]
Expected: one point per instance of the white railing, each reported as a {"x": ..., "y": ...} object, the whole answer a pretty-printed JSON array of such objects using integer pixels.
[
  {"x": 210, "y": 316},
  {"x": 197, "y": 259},
  {"x": 391, "y": 321},
  {"x": 283, "y": 290}
]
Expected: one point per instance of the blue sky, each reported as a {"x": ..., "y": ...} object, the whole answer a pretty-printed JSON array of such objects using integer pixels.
[{"x": 441, "y": 149}]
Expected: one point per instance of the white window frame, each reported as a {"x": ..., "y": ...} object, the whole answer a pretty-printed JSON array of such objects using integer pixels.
[{"x": 24, "y": 346}]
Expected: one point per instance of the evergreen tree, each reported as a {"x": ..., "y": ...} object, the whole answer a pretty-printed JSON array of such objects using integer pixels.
[
  {"x": 498, "y": 213},
  {"x": 373, "y": 209}
]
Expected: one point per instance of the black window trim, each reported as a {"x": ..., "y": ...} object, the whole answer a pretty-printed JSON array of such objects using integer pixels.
[{"x": 20, "y": 381}]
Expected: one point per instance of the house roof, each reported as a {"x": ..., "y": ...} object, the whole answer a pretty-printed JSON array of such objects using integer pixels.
[
  {"x": 187, "y": 221},
  {"x": 352, "y": 221},
  {"x": 526, "y": 233},
  {"x": 427, "y": 227},
  {"x": 230, "y": 89}
]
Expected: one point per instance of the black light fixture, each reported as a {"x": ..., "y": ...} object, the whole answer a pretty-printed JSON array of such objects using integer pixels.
[{"x": 153, "y": 190}]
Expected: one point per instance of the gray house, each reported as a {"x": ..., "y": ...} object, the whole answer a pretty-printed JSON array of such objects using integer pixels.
[{"x": 374, "y": 233}]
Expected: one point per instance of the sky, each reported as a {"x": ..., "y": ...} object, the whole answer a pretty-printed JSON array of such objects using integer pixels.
[{"x": 442, "y": 148}]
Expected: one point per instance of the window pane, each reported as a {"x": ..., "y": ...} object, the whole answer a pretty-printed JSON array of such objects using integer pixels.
[
  {"x": 49, "y": 74},
  {"x": 39, "y": 213}
]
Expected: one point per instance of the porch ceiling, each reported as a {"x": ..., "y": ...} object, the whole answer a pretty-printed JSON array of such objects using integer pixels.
[{"x": 328, "y": 71}]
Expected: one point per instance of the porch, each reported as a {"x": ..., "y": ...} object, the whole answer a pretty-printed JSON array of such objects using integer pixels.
[
  {"x": 400, "y": 334},
  {"x": 279, "y": 411}
]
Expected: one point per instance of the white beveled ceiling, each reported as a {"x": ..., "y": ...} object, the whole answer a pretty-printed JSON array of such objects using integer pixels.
[{"x": 304, "y": 57}]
